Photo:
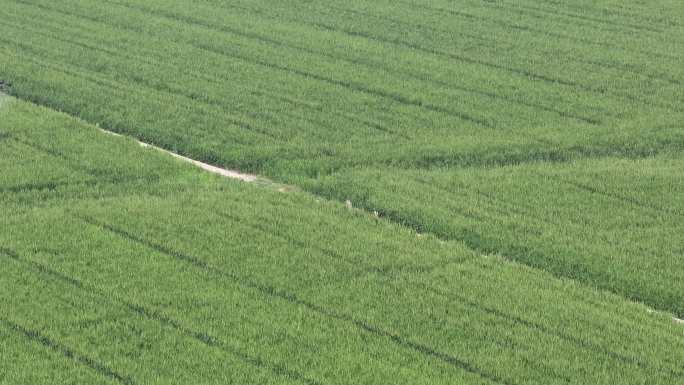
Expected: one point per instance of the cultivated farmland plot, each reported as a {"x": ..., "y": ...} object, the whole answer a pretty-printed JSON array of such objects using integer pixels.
[
  {"x": 613, "y": 223},
  {"x": 512, "y": 172},
  {"x": 127, "y": 266}
]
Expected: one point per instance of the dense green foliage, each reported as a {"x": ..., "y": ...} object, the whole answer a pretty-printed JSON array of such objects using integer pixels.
[
  {"x": 299, "y": 88},
  {"x": 162, "y": 274},
  {"x": 308, "y": 91},
  {"x": 613, "y": 223},
  {"x": 524, "y": 159}
]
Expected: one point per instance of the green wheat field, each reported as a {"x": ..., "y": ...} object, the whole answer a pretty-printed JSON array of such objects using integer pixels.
[{"x": 449, "y": 192}]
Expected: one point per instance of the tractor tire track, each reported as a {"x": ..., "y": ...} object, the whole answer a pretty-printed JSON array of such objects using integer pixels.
[
  {"x": 52, "y": 344},
  {"x": 159, "y": 317},
  {"x": 281, "y": 294}
]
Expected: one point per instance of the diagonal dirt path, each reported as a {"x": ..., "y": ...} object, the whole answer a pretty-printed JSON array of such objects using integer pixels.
[
  {"x": 204, "y": 166},
  {"x": 6, "y": 100},
  {"x": 245, "y": 177}
]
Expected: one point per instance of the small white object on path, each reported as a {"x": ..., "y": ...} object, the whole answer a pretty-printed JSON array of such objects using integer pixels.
[{"x": 204, "y": 166}]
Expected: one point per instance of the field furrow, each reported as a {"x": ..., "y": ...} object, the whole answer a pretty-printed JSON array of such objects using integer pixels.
[{"x": 444, "y": 191}]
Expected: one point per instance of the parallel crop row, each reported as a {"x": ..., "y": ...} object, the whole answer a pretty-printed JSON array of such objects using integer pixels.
[
  {"x": 299, "y": 89},
  {"x": 611, "y": 223},
  {"x": 194, "y": 279}
]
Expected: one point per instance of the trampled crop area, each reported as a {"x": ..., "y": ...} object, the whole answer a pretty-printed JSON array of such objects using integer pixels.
[{"x": 476, "y": 192}]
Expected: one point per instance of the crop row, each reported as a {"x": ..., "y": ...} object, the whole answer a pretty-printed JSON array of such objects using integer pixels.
[
  {"x": 611, "y": 223},
  {"x": 214, "y": 281},
  {"x": 290, "y": 95}
]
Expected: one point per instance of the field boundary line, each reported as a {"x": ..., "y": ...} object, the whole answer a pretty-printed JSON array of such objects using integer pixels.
[
  {"x": 285, "y": 188},
  {"x": 251, "y": 178},
  {"x": 234, "y": 174}
]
